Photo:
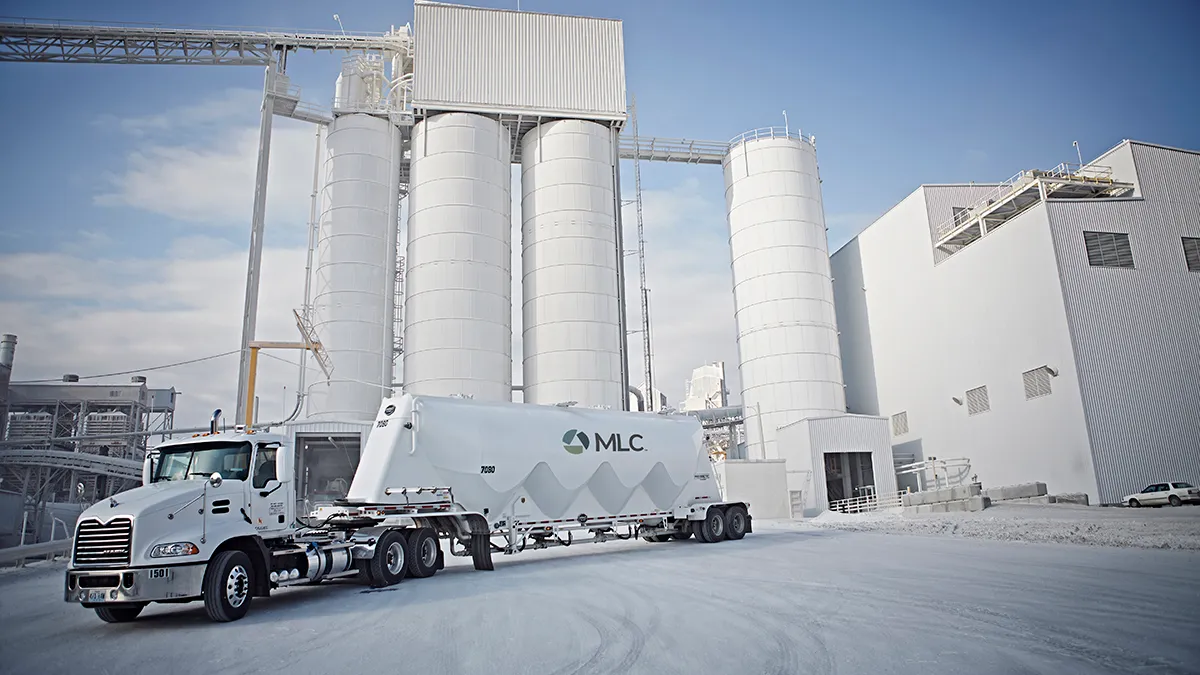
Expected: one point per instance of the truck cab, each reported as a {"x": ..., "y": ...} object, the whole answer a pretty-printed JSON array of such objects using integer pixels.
[{"x": 207, "y": 497}]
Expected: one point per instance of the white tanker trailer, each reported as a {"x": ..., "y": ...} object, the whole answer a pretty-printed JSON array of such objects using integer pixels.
[{"x": 215, "y": 518}]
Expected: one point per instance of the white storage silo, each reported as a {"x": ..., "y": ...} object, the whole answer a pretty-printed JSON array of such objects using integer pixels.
[
  {"x": 458, "y": 276},
  {"x": 356, "y": 263},
  {"x": 572, "y": 330},
  {"x": 783, "y": 293}
]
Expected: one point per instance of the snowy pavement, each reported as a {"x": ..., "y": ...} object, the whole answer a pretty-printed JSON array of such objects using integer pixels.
[
  {"x": 1053, "y": 523},
  {"x": 787, "y": 599}
]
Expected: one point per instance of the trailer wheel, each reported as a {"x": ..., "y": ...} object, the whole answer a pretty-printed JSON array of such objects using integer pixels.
[
  {"x": 712, "y": 529},
  {"x": 735, "y": 522},
  {"x": 228, "y": 586},
  {"x": 657, "y": 538},
  {"x": 680, "y": 536},
  {"x": 481, "y": 552},
  {"x": 120, "y": 613},
  {"x": 390, "y": 561},
  {"x": 423, "y": 550}
]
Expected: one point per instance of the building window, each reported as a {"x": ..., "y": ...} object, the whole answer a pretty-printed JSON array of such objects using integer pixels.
[
  {"x": 900, "y": 423},
  {"x": 977, "y": 401},
  {"x": 1191, "y": 252},
  {"x": 1108, "y": 249},
  {"x": 1037, "y": 383}
]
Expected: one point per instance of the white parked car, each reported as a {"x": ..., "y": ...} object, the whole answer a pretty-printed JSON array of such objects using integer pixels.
[{"x": 1158, "y": 494}]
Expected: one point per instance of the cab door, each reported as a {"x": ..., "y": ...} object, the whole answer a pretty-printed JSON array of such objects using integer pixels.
[{"x": 270, "y": 499}]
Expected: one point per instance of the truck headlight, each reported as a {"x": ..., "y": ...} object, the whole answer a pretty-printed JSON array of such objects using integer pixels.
[{"x": 176, "y": 549}]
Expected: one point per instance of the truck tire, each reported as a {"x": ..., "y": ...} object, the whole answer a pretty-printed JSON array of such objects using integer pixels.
[
  {"x": 657, "y": 538},
  {"x": 481, "y": 552},
  {"x": 390, "y": 561},
  {"x": 423, "y": 550},
  {"x": 736, "y": 522},
  {"x": 228, "y": 586},
  {"x": 120, "y": 613},
  {"x": 680, "y": 536},
  {"x": 364, "y": 571},
  {"x": 712, "y": 529}
]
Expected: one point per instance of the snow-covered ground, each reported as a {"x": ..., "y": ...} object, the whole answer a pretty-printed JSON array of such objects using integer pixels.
[
  {"x": 1051, "y": 523},
  {"x": 788, "y": 599}
]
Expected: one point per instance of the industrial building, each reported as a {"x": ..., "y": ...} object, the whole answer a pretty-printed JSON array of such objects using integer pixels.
[
  {"x": 58, "y": 437},
  {"x": 1046, "y": 328}
]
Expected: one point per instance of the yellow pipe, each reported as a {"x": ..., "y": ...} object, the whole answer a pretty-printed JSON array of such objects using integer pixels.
[{"x": 250, "y": 386}]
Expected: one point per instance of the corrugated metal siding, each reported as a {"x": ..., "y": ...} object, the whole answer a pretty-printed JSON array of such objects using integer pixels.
[
  {"x": 1136, "y": 332},
  {"x": 501, "y": 61},
  {"x": 851, "y": 433}
]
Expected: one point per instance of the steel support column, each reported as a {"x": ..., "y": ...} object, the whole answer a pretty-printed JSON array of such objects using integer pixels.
[{"x": 257, "y": 221}]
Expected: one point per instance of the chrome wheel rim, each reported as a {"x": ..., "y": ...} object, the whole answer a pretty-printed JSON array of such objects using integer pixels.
[
  {"x": 395, "y": 557},
  {"x": 237, "y": 586},
  {"x": 429, "y": 552},
  {"x": 717, "y": 524}
]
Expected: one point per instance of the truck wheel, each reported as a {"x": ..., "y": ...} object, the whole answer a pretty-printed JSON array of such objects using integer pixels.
[
  {"x": 657, "y": 538},
  {"x": 697, "y": 527},
  {"x": 364, "y": 571},
  {"x": 423, "y": 550},
  {"x": 390, "y": 561},
  {"x": 683, "y": 535},
  {"x": 228, "y": 586},
  {"x": 120, "y": 613},
  {"x": 713, "y": 525},
  {"x": 735, "y": 523}
]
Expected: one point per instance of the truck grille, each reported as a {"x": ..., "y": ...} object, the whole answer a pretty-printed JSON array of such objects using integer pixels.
[{"x": 108, "y": 544}]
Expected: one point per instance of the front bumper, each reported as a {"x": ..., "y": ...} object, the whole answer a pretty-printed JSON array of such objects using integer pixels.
[{"x": 97, "y": 587}]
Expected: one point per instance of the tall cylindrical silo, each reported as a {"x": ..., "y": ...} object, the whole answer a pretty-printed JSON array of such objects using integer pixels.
[
  {"x": 356, "y": 264},
  {"x": 782, "y": 288},
  {"x": 458, "y": 266},
  {"x": 572, "y": 329}
]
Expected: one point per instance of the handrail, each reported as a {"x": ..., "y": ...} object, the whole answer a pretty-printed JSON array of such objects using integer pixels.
[
  {"x": 867, "y": 503},
  {"x": 1065, "y": 171},
  {"x": 772, "y": 132}
]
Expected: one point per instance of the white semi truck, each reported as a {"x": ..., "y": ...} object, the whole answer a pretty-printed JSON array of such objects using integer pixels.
[{"x": 215, "y": 519}]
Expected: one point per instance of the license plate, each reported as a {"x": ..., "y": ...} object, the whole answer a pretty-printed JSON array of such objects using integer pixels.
[
  {"x": 159, "y": 573},
  {"x": 97, "y": 595}
]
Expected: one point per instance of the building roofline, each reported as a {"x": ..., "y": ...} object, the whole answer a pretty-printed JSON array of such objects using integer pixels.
[{"x": 1154, "y": 145}]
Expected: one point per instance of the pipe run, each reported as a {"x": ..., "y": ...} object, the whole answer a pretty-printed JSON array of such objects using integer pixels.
[{"x": 640, "y": 399}]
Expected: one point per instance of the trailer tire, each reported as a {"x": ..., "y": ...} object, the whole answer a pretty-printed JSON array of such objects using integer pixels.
[
  {"x": 481, "y": 552},
  {"x": 712, "y": 528},
  {"x": 697, "y": 527},
  {"x": 228, "y": 586},
  {"x": 680, "y": 536},
  {"x": 657, "y": 538},
  {"x": 120, "y": 613},
  {"x": 423, "y": 551},
  {"x": 390, "y": 561},
  {"x": 736, "y": 521},
  {"x": 364, "y": 571}
]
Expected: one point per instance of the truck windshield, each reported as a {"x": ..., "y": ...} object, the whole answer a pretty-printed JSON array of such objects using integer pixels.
[{"x": 231, "y": 459}]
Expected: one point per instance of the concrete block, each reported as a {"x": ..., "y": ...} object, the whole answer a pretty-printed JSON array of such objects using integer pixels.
[
  {"x": 976, "y": 503},
  {"x": 906, "y": 500},
  {"x": 1072, "y": 498},
  {"x": 940, "y": 507},
  {"x": 956, "y": 506},
  {"x": 1010, "y": 492}
]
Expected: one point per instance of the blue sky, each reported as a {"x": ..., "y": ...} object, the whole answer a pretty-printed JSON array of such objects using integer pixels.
[{"x": 111, "y": 170}]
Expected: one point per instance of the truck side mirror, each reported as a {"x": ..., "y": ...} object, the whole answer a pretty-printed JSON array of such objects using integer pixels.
[
  {"x": 147, "y": 469},
  {"x": 283, "y": 464}
]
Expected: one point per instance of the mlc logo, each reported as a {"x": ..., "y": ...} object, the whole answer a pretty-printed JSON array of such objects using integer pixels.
[{"x": 575, "y": 442}]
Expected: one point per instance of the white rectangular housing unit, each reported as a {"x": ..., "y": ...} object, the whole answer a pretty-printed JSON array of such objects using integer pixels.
[
  {"x": 458, "y": 277},
  {"x": 782, "y": 291},
  {"x": 762, "y": 483},
  {"x": 356, "y": 266},
  {"x": 572, "y": 330},
  {"x": 501, "y": 61},
  {"x": 804, "y": 445},
  {"x": 530, "y": 463}
]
